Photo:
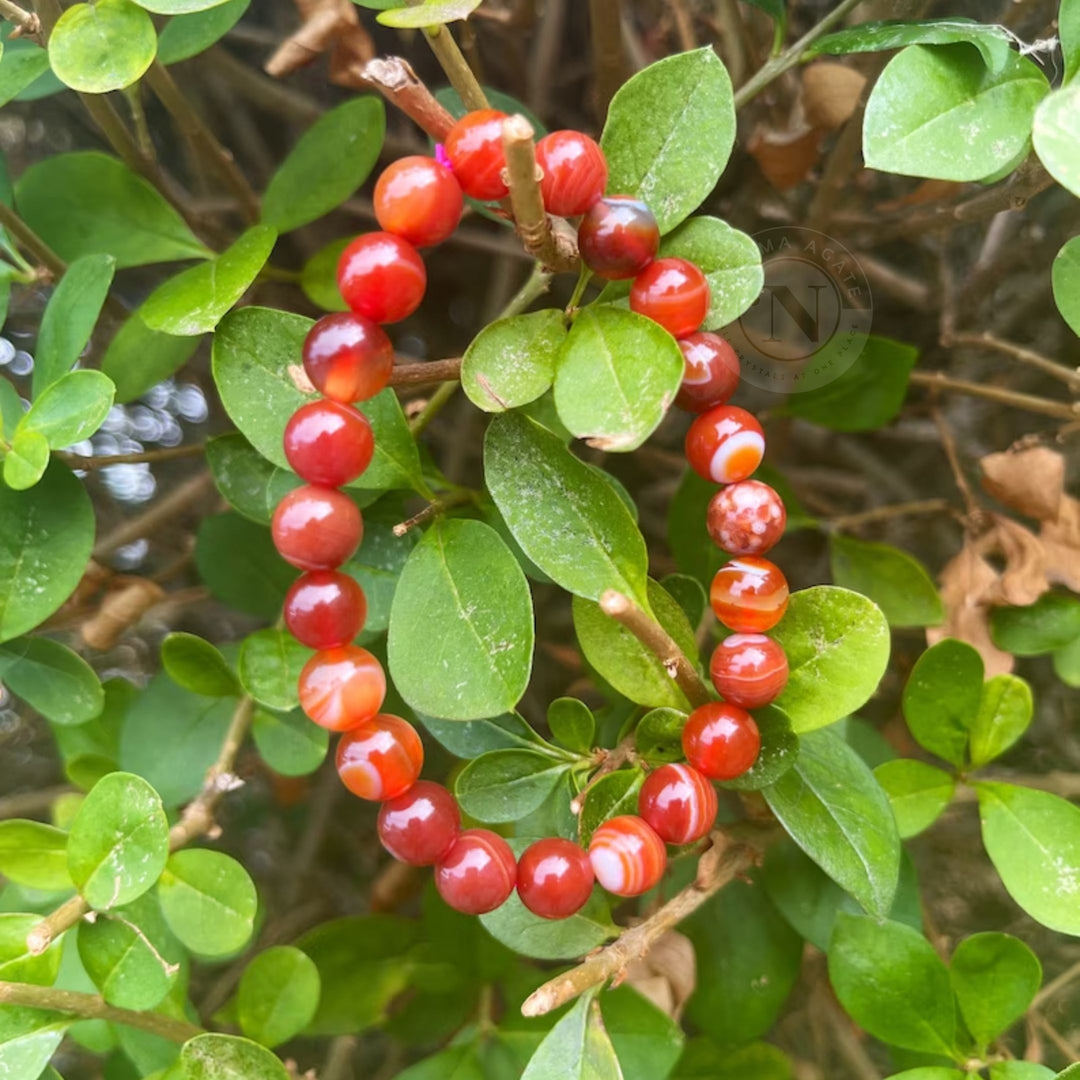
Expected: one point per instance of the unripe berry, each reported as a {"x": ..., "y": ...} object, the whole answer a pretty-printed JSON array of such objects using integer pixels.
[
  {"x": 679, "y": 803},
  {"x": 381, "y": 277},
  {"x": 749, "y": 594},
  {"x": 627, "y": 856},
  {"x": 478, "y": 873},
  {"x": 672, "y": 292},
  {"x": 554, "y": 878},
  {"x": 710, "y": 374},
  {"x": 475, "y": 148},
  {"x": 316, "y": 528},
  {"x": 420, "y": 826},
  {"x": 347, "y": 357},
  {"x": 342, "y": 688},
  {"x": 618, "y": 237},
  {"x": 749, "y": 670},
  {"x": 746, "y": 518},
  {"x": 721, "y": 740},
  {"x": 575, "y": 172},
  {"x": 381, "y": 758},
  {"x": 419, "y": 200},
  {"x": 725, "y": 445},
  {"x": 325, "y": 609},
  {"x": 328, "y": 443}
]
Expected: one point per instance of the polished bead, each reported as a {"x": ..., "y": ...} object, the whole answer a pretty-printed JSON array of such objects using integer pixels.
[
  {"x": 627, "y": 856},
  {"x": 342, "y": 688},
  {"x": 710, "y": 372},
  {"x": 325, "y": 609},
  {"x": 749, "y": 670},
  {"x": 328, "y": 443},
  {"x": 475, "y": 148},
  {"x": 749, "y": 594},
  {"x": 554, "y": 878},
  {"x": 746, "y": 518},
  {"x": 673, "y": 293},
  {"x": 347, "y": 357},
  {"x": 420, "y": 826},
  {"x": 419, "y": 200},
  {"x": 316, "y": 528},
  {"x": 725, "y": 445},
  {"x": 721, "y": 740},
  {"x": 478, "y": 873},
  {"x": 618, "y": 237},
  {"x": 381, "y": 758},
  {"x": 381, "y": 277},
  {"x": 679, "y": 803},
  {"x": 575, "y": 172}
]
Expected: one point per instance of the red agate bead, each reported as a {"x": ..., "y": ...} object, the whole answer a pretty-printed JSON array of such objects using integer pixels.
[
  {"x": 710, "y": 372},
  {"x": 749, "y": 670},
  {"x": 554, "y": 878},
  {"x": 316, "y": 528},
  {"x": 475, "y": 148},
  {"x": 746, "y": 518},
  {"x": 478, "y": 873},
  {"x": 627, "y": 856},
  {"x": 679, "y": 803},
  {"x": 749, "y": 594},
  {"x": 672, "y": 292},
  {"x": 725, "y": 445},
  {"x": 618, "y": 237},
  {"x": 420, "y": 826},
  {"x": 419, "y": 200},
  {"x": 721, "y": 740},
  {"x": 328, "y": 443},
  {"x": 342, "y": 688},
  {"x": 381, "y": 758},
  {"x": 575, "y": 172},
  {"x": 347, "y": 357},
  {"x": 325, "y": 609},
  {"x": 381, "y": 277}
]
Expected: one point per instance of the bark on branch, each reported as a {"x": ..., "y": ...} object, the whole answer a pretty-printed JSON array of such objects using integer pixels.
[{"x": 400, "y": 85}]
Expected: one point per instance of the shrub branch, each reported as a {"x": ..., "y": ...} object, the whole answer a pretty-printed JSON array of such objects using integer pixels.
[{"x": 395, "y": 79}]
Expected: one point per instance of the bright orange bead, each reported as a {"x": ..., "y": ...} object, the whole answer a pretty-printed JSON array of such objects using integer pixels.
[
  {"x": 381, "y": 277},
  {"x": 380, "y": 759},
  {"x": 749, "y": 670},
  {"x": 749, "y": 595},
  {"x": 342, "y": 688},
  {"x": 672, "y": 292},
  {"x": 627, "y": 856},
  {"x": 316, "y": 528},
  {"x": 475, "y": 149},
  {"x": 347, "y": 357},
  {"x": 746, "y": 518},
  {"x": 721, "y": 740},
  {"x": 725, "y": 445},
  {"x": 419, "y": 200},
  {"x": 575, "y": 172}
]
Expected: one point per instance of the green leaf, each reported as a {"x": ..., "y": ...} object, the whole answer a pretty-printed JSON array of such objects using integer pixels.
[
  {"x": 1067, "y": 663},
  {"x": 567, "y": 518},
  {"x": 102, "y": 46},
  {"x": 940, "y": 112},
  {"x": 249, "y": 483},
  {"x": 472, "y": 738},
  {"x": 177, "y": 7},
  {"x": 658, "y": 737},
  {"x": 892, "y": 983},
  {"x": 918, "y": 792},
  {"x": 695, "y": 553},
  {"x": 512, "y": 361},
  {"x": 778, "y": 753},
  {"x": 1005, "y": 712},
  {"x": 689, "y": 594},
  {"x": 278, "y": 995},
  {"x": 138, "y": 358},
  {"x": 545, "y": 939},
  {"x": 618, "y": 372},
  {"x": 208, "y": 900},
  {"x": 572, "y": 724},
  {"x": 197, "y": 299},
  {"x": 378, "y": 563},
  {"x": 119, "y": 841},
  {"x": 34, "y": 855},
  {"x": 326, "y": 165},
  {"x": 185, "y": 36},
  {"x": 270, "y": 665},
  {"x": 196, "y": 665},
  {"x": 1033, "y": 840},
  {"x": 837, "y": 645},
  {"x": 11, "y": 408},
  {"x": 995, "y": 976},
  {"x": 505, "y": 785},
  {"x": 28, "y": 1038},
  {"x": 669, "y": 133},
  {"x": 226, "y": 1057},
  {"x": 428, "y": 13},
  {"x": 289, "y": 742},
  {"x": 647, "y": 1041},
  {"x": 70, "y": 409},
  {"x": 576, "y": 1048},
  {"x": 57, "y": 682},
  {"x": 1065, "y": 275},
  {"x": 931, "y": 1072},
  {"x": 1027, "y": 1070},
  {"x": 70, "y": 316},
  {"x": 1056, "y": 136},
  {"x": 611, "y": 795},
  {"x": 1052, "y": 622},
  {"x": 704, "y": 1060},
  {"x": 16, "y": 963},
  {"x": 21, "y": 64},
  {"x": 894, "y": 580},
  {"x": 942, "y": 698},
  {"x": 318, "y": 277}
]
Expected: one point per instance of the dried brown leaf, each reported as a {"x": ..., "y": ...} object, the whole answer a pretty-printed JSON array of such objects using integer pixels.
[
  {"x": 1030, "y": 481},
  {"x": 1023, "y": 580},
  {"x": 1061, "y": 543},
  {"x": 785, "y": 158},
  {"x": 667, "y": 975},
  {"x": 328, "y": 26},
  {"x": 831, "y": 93}
]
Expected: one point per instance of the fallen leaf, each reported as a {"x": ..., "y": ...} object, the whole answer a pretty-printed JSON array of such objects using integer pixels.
[
  {"x": 785, "y": 157},
  {"x": 831, "y": 93},
  {"x": 667, "y": 975},
  {"x": 327, "y": 26},
  {"x": 1023, "y": 579},
  {"x": 1061, "y": 542},
  {"x": 1030, "y": 481}
]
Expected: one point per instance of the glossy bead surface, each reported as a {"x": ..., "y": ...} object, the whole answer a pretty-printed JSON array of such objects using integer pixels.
[
  {"x": 749, "y": 670},
  {"x": 627, "y": 856},
  {"x": 721, "y": 740},
  {"x": 419, "y": 200},
  {"x": 710, "y": 372},
  {"x": 749, "y": 594},
  {"x": 725, "y": 445},
  {"x": 347, "y": 357},
  {"x": 475, "y": 148},
  {"x": 575, "y": 172},
  {"x": 679, "y": 803},
  {"x": 381, "y": 758},
  {"x": 342, "y": 688},
  {"x": 618, "y": 237},
  {"x": 554, "y": 878},
  {"x": 381, "y": 277},
  {"x": 328, "y": 443},
  {"x": 420, "y": 826},
  {"x": 316, "y": 528},
  {"x": 672, "y": 292},
  {"x": 478, "y": 873},
  {"x": 746, "y": 518},
  {"x": 325, "y": 609}
]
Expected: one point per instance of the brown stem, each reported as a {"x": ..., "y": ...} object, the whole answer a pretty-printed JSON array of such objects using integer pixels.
[
  {"x": 1044, "y": 406},
  {"x": 609, "y": 61},
  {"x": 612, "y": 760},
  {"x": 54, "y": 924},
  {"x": 432, "y": 372},
  {"x": 456, "y": 67},
  {"x": 1036, "y": 360},
  {"x": 168, "y": 453},
  {"x": 399, "y": 84},
  {"x": 175, "y": 503},
  {"x": 28, "y": 24},
  {"x": 952, "y": 455},
  {"x": 893, "y": 510},
  {"x": 33, "y": 243},
  {"x": 433, "y": 510}
]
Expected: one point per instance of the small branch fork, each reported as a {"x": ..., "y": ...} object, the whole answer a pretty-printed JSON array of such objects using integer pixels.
[{"x": 27, "y": 24}]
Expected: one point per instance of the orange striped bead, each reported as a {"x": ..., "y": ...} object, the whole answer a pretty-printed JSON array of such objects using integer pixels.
[
  {"x": 749, "y": 594},
  {"x": 679, "y": 803},
  {"x": 381, "y": 759},
  {"x": 342, "y": 688},
  {"x": 627, "y": 856}
]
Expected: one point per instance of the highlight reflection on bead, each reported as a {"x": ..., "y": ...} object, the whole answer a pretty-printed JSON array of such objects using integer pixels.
[
  {"x": 627, "y": 856},
  {"x": 478, "y": 873},
  {"x": 721, "y": 740},
  {"x": 749, "y": 670},
  {"x": 342, "y": 688},
  {"x": 380, "y": 759},
  {"x": 420, "y": 826},
  {"x": 749, "y": 594},
  {"x": 678, "y": 802},
  {"x": 746, "y": 518},
  {"x": 725, "y": 445}
]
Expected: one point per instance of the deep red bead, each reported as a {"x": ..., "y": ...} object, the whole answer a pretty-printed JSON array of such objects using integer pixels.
[
  {"x": 478, "y": 873},
  {"x": 721, "y": 740},
  {"x": 618, "y": 237},
  {"x": 710, "y": 373},
  {"x": 679, "y": 803},
  {"x": 672, "y": 292},
  {"x": 328, "y": 443},
  {"x": 347, "y": 357},
  {"x": 725, "y": 445},
  {"x": 749, "y": 670},
  {"x": 342, "y": 688},
  {"x": 325, "y": 609},
  {"x": 575, "y": 172},
  {"x": 381, "y": 277},
  {"x": 474, "y": 146},
  {"x": 749, "y": 594},
  {"x": 316, "y": 528},
  {"x": 420, "y": 826},
  {"x": 419, "y": 200},
  {"x": 627, "y": 856},
  {"x": 381, "y": 758},
  {"x": 554, "y": 878},
  {"x": 746, "y": 518}
]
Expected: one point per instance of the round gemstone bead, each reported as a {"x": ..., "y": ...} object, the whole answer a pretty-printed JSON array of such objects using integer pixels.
[
  {"x": 725, "y": 445},
  {"x": 749, "y": 670},
  {"x": 419, "y": 200},
  {"x": 328, "y": 443},
  {"x": 325, "y": 609},
  {"x": 347, "y": 357},
  {"x": 710, "y": 372},
  {"x": 342, "y": 688},
  {"x": 316, "y": 528},
  {"x": 420, "y": 826},
  {"x": 672, "y": 292},
  {"x": 478, "y": 873},
  {"x": 554, "y": 878},
  {"x": 749, "y": 594},
  {"x": 721, "y": 740},
  {"x": 575, "y": 172},
  {"x": 679, "y": 803},
  {"x": 618, "y": 237},
  {"x": 381, "y": 277},
  {"x": 475, "y": 148},
  {"x": 746, "y": 518},
  {"x": 381, "y": 758},
  {"x": 627, "y": 856}
]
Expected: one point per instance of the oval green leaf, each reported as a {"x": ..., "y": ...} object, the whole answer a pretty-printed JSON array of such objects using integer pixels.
[
  {"x": 428, "y": 13},
  {"x": 208, "y": 900},
  {"x": 196, "y": 665},
  {"x": 249, "y": 483},
  {"x": 26, "y": 460},
  {"x": 270, "y": 665},
  {"x": 896, "y": 581},
  {"x": 138, "y": 358},
  {"x": 185, "y": 36},
  {"x": 918, "y": 793},
  {"x": 226, "y": 1057},
  {"x": 103, "y": 46},
  {"x": 505, "y": 785},
  {"x": 34, "y": 855},
  {"x": 57, "y": 682},
  {"x": 278, "y": 995},
  {"x": 1065, "y": 276},
  {"x": 1050, "y": 623},
  {"x": 70, "y": 409},
  {"x": 942, "y": 698},
  {"x": 1057, "y": 136},
  {"x": 289, "y": 742},
  {"x": 1005, "y": 711}
]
